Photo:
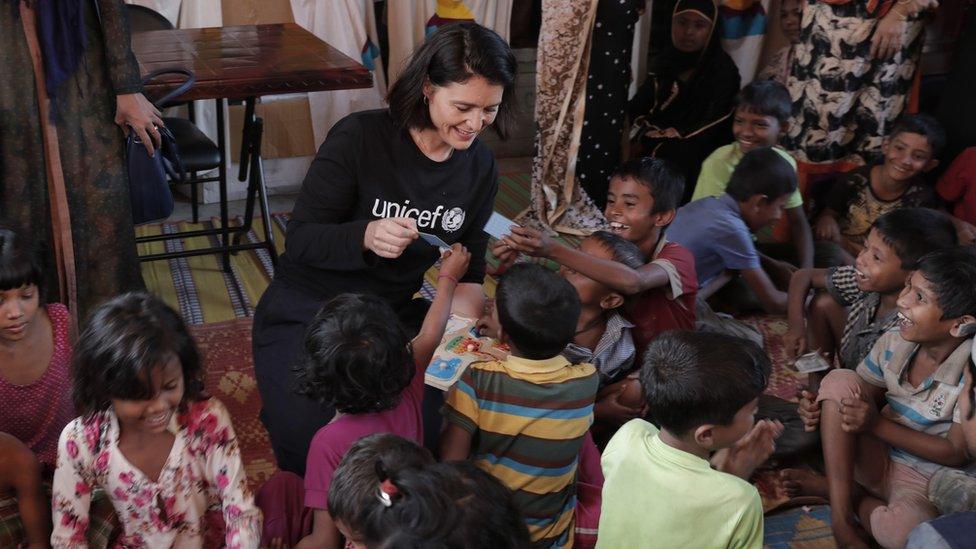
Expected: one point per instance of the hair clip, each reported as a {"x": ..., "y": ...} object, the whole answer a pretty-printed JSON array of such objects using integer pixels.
[{"x": 386, "y": 493}]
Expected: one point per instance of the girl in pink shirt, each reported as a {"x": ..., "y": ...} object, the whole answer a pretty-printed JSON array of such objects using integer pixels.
[{"x": 35, "y": 357}]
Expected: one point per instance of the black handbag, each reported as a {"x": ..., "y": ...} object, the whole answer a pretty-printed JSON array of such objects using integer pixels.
[{"x": 149, "y": 176}]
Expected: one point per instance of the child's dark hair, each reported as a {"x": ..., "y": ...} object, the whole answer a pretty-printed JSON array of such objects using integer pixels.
[
  {"x": 766, "y": 97},
  {"x": 538, "y": 309},
  {"x": 951, "y": 272},
  {"x": 914, "y": 232},
  {"x": 453, "y": 505},
  {"x": 762, "y": 171},
  {"x": 18, "y": 263},
  {"x": 357, "y": 357},
  {"x": 354, "y": 488},
  {"x": 665, "y": 182},
  {"x": 694, "y": 378},
  {"x": 922, "y": 124},
  {"x": 123, "y": 340},
  {"x": 622, "y": 250},
  {"x": 453, "y": 54}
]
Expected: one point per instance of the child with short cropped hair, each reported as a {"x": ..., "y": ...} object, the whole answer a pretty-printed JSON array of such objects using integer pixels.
[
  {"x": 537, "y": 310},
  {"x": 762, "y": 114},
  {"x": 853, "y": 202},
  {"x": 452, "y": 505},
  {"x": 887, "y": 428},
  {"x": 859, "y": 303},
  {"x": 641, "y": 203},
  {"x": 718, "y": 230},
  {"x": 162, "y": 452},
  {"x": 358, "y": 359},
  {"x": 660, "y": 490}
]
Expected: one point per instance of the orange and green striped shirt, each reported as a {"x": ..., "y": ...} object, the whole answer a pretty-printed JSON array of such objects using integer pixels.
[{"x": 528, "y": 418}]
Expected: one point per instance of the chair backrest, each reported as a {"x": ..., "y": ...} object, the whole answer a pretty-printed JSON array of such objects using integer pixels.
[{"x": 143, "y": 19}]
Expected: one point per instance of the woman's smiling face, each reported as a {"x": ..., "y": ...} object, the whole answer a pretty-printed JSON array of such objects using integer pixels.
[{"x": 460, "y": 111}]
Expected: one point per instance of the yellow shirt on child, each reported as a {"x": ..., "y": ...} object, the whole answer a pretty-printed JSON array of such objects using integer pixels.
[
  {"x": 717, "y": 169},
  {"x": 658, "y": 496}
]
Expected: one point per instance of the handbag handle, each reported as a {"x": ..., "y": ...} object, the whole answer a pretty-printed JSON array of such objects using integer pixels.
[{"x": 165, "y": 100}]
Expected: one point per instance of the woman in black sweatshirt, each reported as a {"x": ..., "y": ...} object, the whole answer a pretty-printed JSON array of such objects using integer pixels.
[{"x": 379, "y": 179}]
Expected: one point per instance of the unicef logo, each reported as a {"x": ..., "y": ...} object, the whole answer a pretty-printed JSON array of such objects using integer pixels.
[{"x": 453, "y": 220}]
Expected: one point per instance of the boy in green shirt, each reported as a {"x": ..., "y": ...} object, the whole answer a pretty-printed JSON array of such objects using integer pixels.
[
  {"x": 761, "y": 116},
  {"x": 660, "y": 489}
]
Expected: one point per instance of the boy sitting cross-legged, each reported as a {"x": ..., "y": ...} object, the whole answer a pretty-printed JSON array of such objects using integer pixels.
[
  {"x": 762, "y": 114},
  {"x": 859, "y": 304},
  {"x": 887, "y": 428},
  {"x": 660, "y": 489},
  {"x": 525, "y": 419}
]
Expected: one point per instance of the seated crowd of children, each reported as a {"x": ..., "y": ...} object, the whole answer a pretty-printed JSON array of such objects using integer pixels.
[{"x": 625, "y": 414}]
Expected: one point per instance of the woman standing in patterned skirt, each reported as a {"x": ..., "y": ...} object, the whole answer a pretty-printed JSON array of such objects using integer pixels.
[{"x": 850, "y": 76}]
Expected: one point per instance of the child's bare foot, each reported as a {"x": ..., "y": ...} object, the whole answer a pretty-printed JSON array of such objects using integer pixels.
[{"x": 803, "y": 482}]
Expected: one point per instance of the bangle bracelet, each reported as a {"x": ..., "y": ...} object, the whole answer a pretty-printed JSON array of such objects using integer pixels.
[{"x": 449, "y": 277}]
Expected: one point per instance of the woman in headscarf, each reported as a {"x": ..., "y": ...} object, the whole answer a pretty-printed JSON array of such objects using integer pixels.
[
  {"x": 68, "y": 83},
  {"x": 683, "y": 110}
]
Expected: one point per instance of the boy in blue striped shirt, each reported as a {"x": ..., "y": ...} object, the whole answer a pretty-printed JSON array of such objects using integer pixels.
[{"x": 888, "y": 427}]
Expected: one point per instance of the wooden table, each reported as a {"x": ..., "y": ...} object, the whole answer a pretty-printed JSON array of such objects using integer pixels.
[{"x": 243, "y": 63}]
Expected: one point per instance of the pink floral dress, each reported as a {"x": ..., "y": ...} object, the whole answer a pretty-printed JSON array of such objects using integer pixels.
[{"x": 203, "y": 472}]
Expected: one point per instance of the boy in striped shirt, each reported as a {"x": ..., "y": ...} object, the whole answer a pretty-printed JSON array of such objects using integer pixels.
[
  {"x": 525, "y": 419},
  {"x": 888, "y": 427}
]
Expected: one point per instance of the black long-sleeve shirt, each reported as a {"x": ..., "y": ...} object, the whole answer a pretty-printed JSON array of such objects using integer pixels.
[{"x": 367, "y": 169}]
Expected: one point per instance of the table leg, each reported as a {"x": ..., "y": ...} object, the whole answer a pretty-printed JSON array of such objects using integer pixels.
[{"x": 224, "y": 217}]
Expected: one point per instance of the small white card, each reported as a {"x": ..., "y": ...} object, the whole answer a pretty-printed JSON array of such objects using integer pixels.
[
  {"x": 498, "y": 225},
  {"x": 434, "y": 240}
]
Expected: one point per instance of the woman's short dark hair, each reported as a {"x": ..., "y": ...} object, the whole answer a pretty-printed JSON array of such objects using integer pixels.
[
  {"x": 357, "y": 357},
  {"x": 452, "y": 55},
  {"x": 18, "y": 262},
  {"x": 123, "y": 340}
]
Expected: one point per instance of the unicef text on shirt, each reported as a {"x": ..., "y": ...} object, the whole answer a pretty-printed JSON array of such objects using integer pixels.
[{"x": 450, "y": 220}]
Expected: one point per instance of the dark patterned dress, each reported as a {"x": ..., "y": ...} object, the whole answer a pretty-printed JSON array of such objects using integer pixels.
[
  {"x": 92, "y": 153},
  {"x": 844, "y": 101},
  {"x": 606, "y": 96}
]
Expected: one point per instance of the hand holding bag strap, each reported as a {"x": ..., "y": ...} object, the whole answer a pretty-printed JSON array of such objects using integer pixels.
[{"x": 64, "y": 255}]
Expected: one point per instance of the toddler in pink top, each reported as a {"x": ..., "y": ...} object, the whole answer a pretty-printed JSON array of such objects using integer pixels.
[{"x": 358, "y": 359}]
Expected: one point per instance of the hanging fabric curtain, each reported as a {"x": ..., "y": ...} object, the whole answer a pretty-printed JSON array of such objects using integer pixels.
[
  {"x": 743, "y": 30},
  {"x": 350, "y": 27}
]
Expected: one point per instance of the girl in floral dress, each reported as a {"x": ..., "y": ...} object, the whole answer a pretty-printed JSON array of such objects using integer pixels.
[{"x": 163, "y": 452}]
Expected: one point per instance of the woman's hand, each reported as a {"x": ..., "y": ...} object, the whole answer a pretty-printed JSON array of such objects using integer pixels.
[
  {"x": 133, "y": 111},
  {"x": 454, "y": 262},
  {"x": 389, "y": 237},
  {"x": 889, "y": 35}
]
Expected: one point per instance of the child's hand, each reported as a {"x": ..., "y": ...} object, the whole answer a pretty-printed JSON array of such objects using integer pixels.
[
  {"x": 795, "y": 342},
  {"x": 826, "y": 228},
  {"x": 752, "y": 450},
  {"x": 454, "y": 262},
  {"x": 856, "y": 415},
  {"x": 529, "y": 241},
  {"x": 506, "y": 257},
  {"x": 809, "y": 410},
  {"x": 609, "y": 408},
  {"x": 487, "y": 326},
  {"x": 276, "y": 543}
]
